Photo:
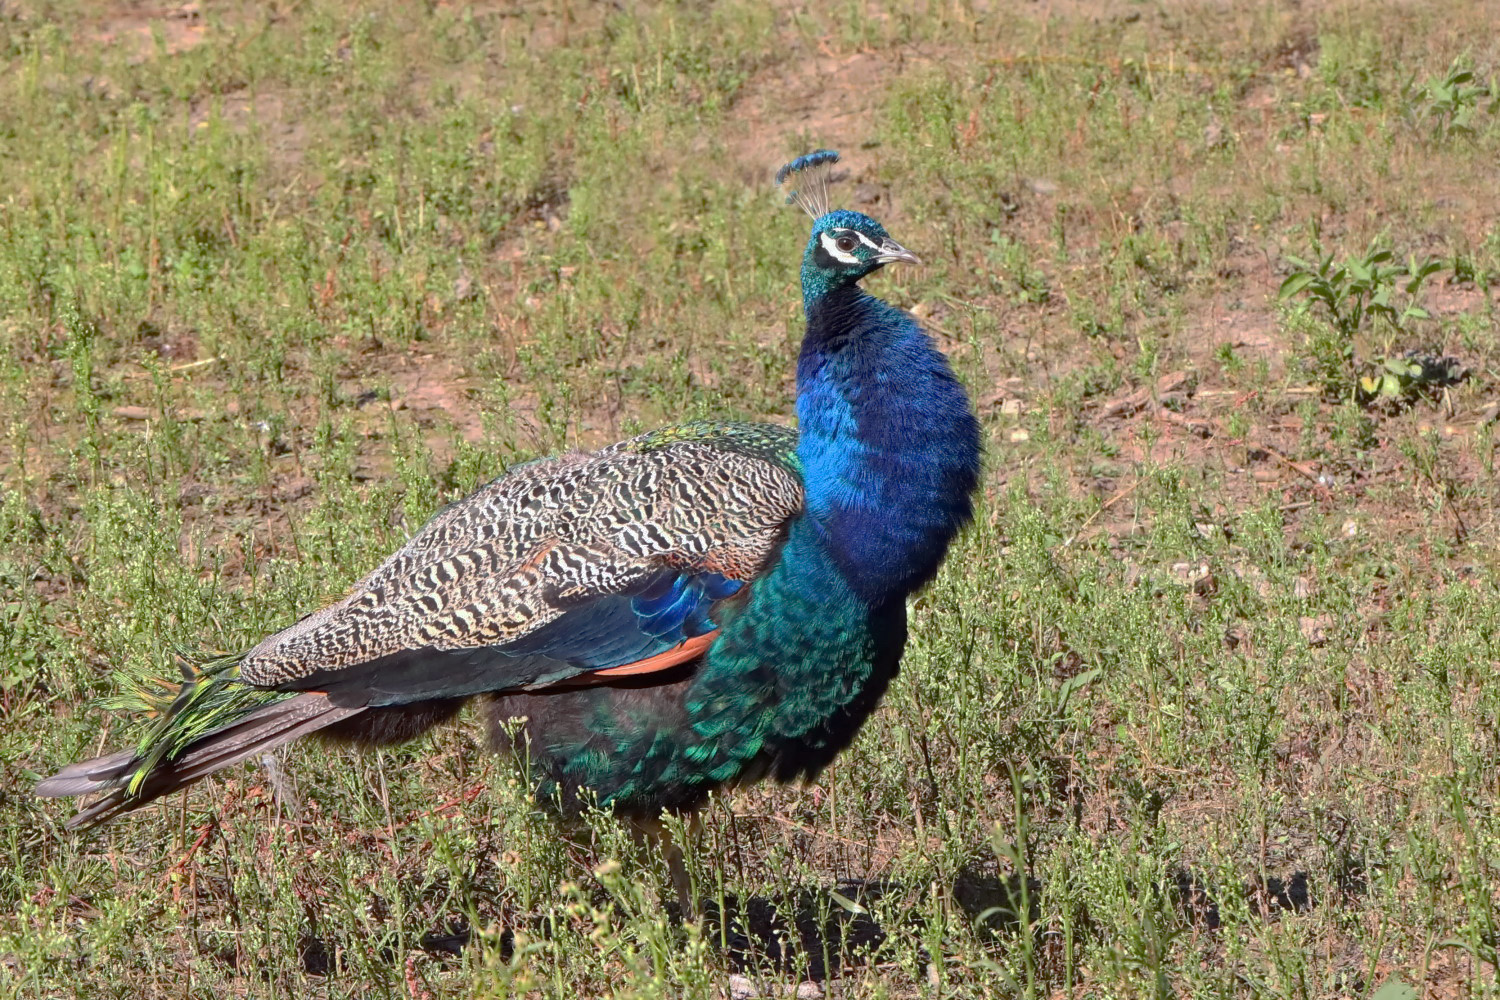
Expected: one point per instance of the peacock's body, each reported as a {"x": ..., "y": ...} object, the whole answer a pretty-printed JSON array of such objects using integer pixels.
[{"x": 698, "y": 606}]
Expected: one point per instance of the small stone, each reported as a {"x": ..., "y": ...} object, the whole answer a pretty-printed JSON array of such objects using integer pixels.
[
  {"x": 193, "y": 493},
  {"x": 743, "y": 988},
  {"x": 1020, "y": 434},
  {"x": 1011, "y": 408},
  {"x": 1173, "y": 381},
  {"x": 1189, "y": 572},
  {"x": 1350, "y": 528},
  {"x": 1315, "y": 630},
  {"x": 1302, "y": 588}
]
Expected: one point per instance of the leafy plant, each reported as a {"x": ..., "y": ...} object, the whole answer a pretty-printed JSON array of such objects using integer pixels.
[
  {"x": 1450, "y": 105},
  {"x": 1354, "y": 294},
  {"x": 1359, "y": 288}
]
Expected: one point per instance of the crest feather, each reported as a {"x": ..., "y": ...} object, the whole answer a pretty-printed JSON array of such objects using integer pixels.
[{"x": 813, "y": 172}]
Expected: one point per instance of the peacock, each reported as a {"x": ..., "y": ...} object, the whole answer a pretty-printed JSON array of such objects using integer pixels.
[{"x": 700, "y": 606}]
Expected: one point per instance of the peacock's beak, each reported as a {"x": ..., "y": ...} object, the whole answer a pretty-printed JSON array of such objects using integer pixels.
[{"x": 891, "y": 251}]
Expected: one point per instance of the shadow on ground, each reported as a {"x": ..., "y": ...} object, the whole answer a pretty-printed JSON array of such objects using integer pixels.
[{"x": 822, "y": 933}]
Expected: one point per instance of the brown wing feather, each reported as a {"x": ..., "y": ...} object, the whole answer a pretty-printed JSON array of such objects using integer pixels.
[{"x": 547, "y": 536}]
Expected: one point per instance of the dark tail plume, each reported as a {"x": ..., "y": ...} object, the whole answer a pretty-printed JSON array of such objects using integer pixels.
[{"x": 125, "y": 788}]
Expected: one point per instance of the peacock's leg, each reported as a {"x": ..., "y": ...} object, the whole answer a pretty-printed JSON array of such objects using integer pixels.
[
  {"x": 680, "y": 880},
  {"x": 658, "y": 834}
]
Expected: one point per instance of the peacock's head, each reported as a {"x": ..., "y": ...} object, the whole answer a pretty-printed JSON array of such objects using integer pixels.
[
  {"x": 852, "y": 245},
  {"x": 845, "y": 246}
]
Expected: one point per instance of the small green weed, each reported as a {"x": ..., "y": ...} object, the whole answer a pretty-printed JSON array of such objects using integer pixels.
[
  {"x": 1450, "y": 106},
  {"x": 1354, "y": 295},
  {"x": 1015, "y": 272}
]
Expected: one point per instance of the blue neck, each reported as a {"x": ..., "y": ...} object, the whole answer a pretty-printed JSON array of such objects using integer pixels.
[{"x": 888, "y": 445}]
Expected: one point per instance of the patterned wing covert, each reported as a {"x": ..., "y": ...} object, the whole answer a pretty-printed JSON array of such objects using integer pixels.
[{"x": 591, "y": 558}]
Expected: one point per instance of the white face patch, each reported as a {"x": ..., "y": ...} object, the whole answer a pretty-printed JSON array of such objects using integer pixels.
[{"x": 832, "y": 247}]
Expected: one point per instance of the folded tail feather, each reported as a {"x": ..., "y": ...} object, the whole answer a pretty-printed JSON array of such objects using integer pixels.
[
  {"x": 210, "y": 721},
  {"x": 215, "y": 719},
  {"x": 118, "y": 775},
  {"x": 87, "y": 776}
]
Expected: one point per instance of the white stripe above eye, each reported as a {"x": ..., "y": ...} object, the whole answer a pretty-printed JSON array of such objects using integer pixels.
[
  {"x": 833, "y": 250},
  {"x": 866, "y": 240}
]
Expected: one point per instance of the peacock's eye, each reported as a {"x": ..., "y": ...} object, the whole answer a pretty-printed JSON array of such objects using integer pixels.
[{"x": 845, "y": 243}]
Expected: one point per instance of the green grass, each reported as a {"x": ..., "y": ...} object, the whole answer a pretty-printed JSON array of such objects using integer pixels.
[{"x": 1201, "y": 706}]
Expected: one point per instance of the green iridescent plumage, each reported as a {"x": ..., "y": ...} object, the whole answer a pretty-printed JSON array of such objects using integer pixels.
[
  {"x": 781, "y": 691},
  {"x": 210, "y": 697}
]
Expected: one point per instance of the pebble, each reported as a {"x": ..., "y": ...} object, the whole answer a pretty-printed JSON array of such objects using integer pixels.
[{"x": 743, "y": 988}]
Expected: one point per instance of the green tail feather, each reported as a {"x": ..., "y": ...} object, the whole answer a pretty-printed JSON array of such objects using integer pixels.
[{"x": 210, "y": 697}]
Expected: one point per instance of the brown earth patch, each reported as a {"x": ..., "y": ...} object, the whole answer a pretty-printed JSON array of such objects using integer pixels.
[{"x": 145, "y": 31}]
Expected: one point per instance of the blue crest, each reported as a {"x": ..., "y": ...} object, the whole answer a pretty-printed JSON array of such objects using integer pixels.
[{"x": 813, "y": 173}]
